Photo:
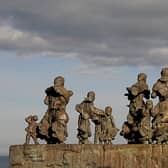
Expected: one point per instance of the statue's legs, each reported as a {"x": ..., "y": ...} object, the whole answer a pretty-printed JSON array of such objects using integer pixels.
[
  {"x": 27, "y": 138},
  {"x": 97, "y": 133}
]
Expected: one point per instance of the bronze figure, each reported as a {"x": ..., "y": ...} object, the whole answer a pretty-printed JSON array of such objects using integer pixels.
[
  {"x": 137, "y": 94},
  {"x": 85, "y": 108},
  {"x": 53, "y": 126},
  {"x": 108, "y": 127},
  {"x": 88, "y": 111},
  {"x": 144, "y": 126},
  {"x": 31, "y": 129},
  {"x": 160, "y": 112}
]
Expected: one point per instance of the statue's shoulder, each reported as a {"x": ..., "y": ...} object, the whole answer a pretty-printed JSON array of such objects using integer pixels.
[{"x": 49, "y": 90}]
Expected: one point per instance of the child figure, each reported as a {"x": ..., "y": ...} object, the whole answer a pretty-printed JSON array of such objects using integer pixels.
[
  {"x": 31, "y": 129},
  {"x": 144, "y": 125},
  {"x": 109, "y": 130}
]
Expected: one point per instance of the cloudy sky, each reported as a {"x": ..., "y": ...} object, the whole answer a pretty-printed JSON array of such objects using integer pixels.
[{"x": 98, "y": 45}]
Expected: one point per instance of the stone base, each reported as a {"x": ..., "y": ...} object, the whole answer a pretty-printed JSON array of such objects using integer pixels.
[{"x": 88, "y": 156}]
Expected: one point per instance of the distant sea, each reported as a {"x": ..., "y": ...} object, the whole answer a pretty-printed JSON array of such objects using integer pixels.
[{"x": 4, "y": 162}]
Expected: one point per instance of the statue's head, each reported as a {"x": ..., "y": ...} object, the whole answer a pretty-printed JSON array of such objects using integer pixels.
[
  {"x": 59, "y": 81},
  {"x": 35, "y": 118},
  {"x": 141, "y": 77},
  {"x": 108, "y": 110},
  {"x": 91, "y": 96},
  {"x": 164, "y": 74},
  {"x": 125, "y": 129}
]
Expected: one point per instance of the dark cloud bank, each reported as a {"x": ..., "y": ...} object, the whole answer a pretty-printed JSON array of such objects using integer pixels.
[{"x": 98, "y": 32}]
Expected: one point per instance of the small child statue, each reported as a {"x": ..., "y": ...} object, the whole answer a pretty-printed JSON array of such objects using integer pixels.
[
  {"x": 31, "y": 129},
  {"x": 144, "y": 125},
  {"x": 109, "y": 130}
]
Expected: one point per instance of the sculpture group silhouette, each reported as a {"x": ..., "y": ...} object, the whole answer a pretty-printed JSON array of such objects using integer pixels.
[{"x": 146, "y": 123}]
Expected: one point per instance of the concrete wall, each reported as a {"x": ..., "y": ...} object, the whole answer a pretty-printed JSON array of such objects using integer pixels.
[{"x": 89, "y": 156}]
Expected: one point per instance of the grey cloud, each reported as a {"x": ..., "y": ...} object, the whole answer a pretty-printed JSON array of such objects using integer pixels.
[{"x": 102, "y": 33}]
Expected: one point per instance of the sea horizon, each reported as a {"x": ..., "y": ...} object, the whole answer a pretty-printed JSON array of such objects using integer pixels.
[{"x": 4, "y": 161}]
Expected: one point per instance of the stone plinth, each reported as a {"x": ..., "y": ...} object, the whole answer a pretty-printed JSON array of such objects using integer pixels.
[{"x": 89, "y": 156}]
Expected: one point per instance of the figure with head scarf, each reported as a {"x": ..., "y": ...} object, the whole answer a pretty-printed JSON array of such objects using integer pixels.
[
  {"x": 57, "y": 97},
  {"x": 87, "y": 111},
  {"x": 160, "y": 112},
  {"x": 137, "y": 94}
]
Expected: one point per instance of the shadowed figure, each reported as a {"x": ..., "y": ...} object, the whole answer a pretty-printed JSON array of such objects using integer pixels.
[
  {"x": 160, "y": 112},
  {"x": 87, "y": 111},
  {"x": 53, "y": 126},
  {"x": 137, "y": 93},
  {"x": 108, "y": 127}
]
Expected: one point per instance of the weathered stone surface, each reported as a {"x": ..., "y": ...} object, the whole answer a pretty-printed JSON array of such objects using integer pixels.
[{"x": 89, "y": 156}]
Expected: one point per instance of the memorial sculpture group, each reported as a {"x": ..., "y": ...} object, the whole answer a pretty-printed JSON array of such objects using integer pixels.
[{"x": 146, "y": 124}]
